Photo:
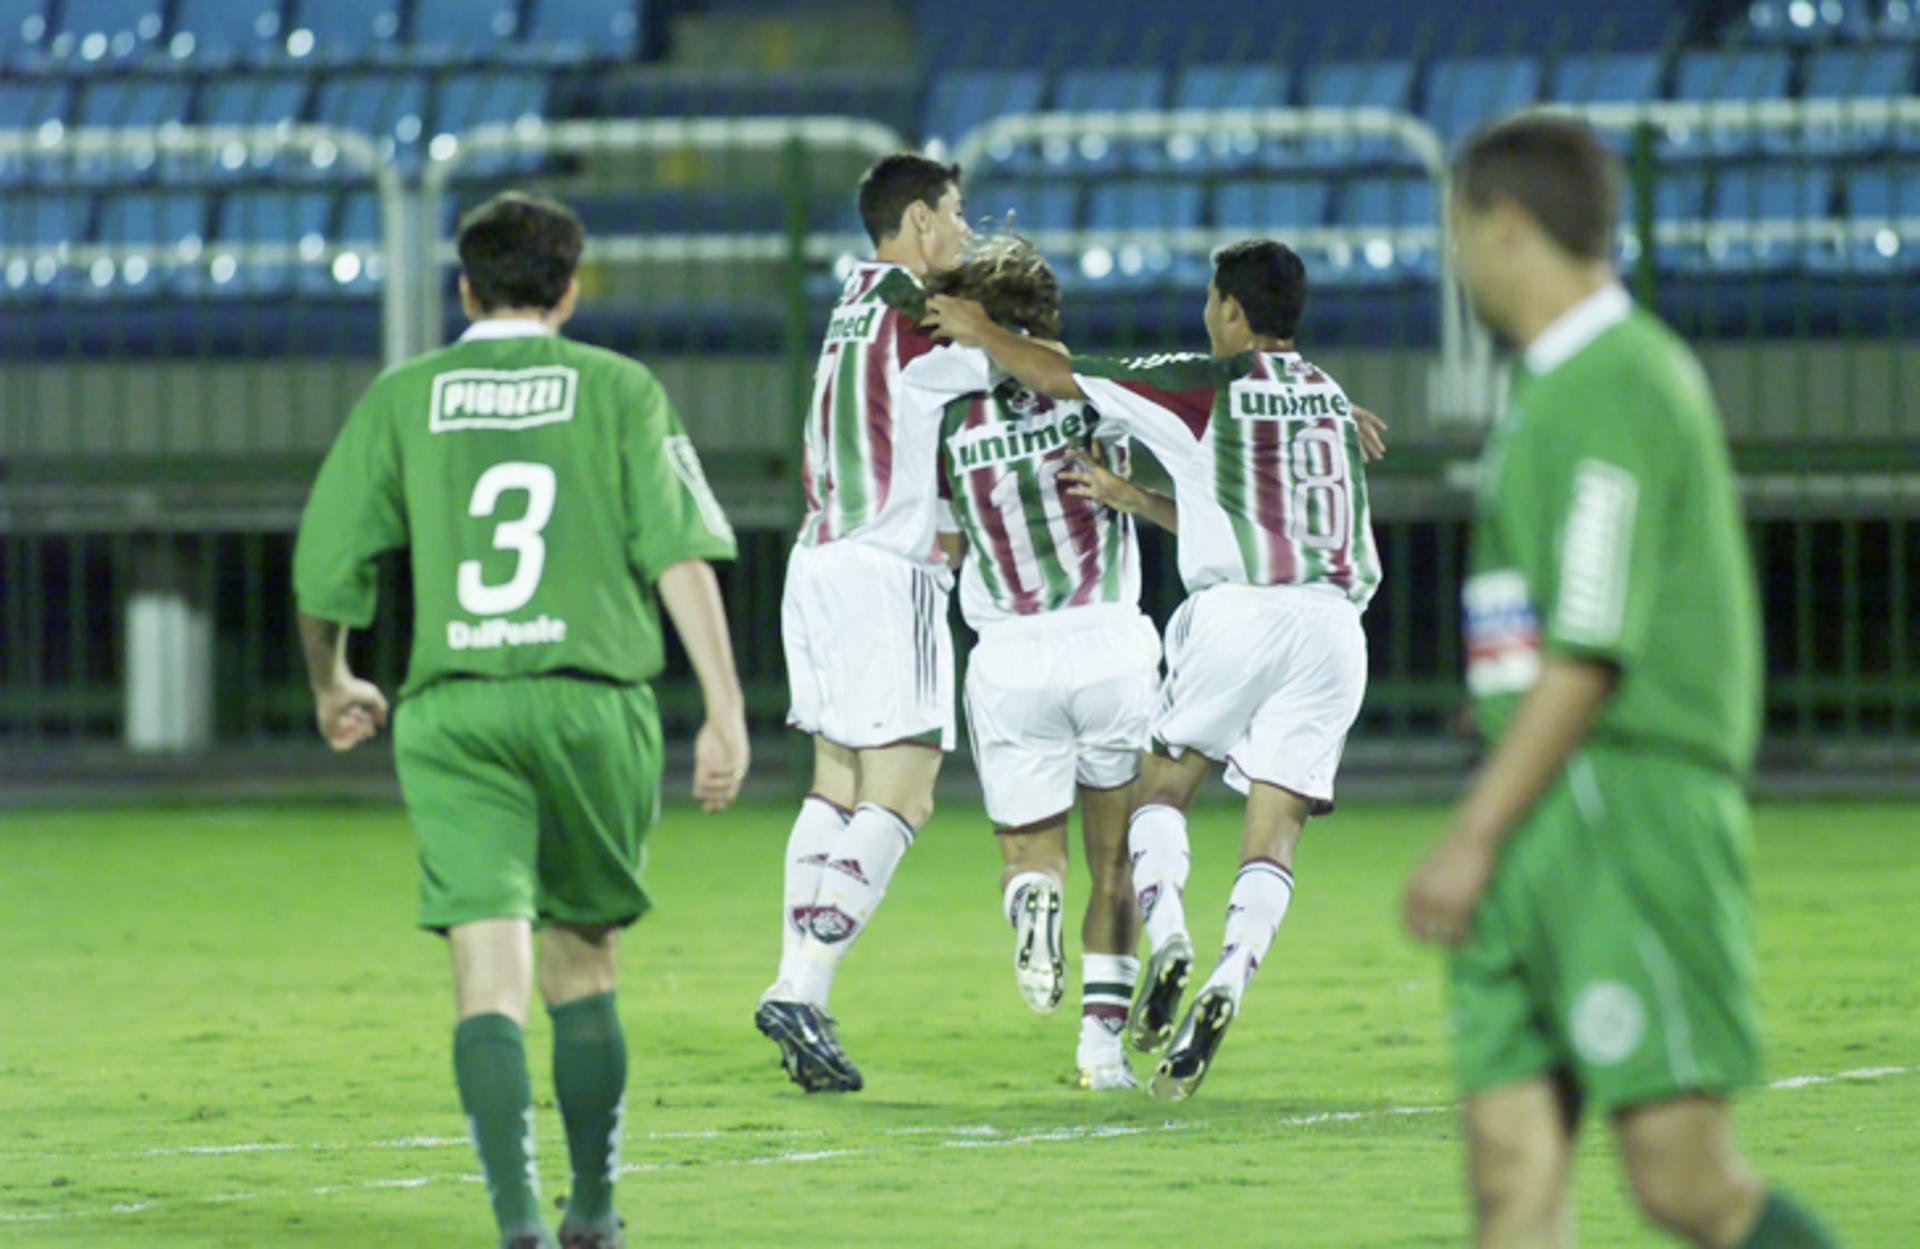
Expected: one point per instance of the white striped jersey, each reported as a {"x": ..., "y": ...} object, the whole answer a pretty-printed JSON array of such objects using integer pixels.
[
  {"x": 1032, "y": 547},
  {"x": 868, "y": 470},
  {"x": 1265, "y": 459}
]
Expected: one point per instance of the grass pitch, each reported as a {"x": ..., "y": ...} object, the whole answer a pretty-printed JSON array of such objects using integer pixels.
[{"x": 219, "y": 1029}]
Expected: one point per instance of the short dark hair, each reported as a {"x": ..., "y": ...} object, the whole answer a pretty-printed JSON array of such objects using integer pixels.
[
  {"x": 1555, "y": 170},
  {"x": 1011, "y": 279},
  {"x": 1270, "y": 281},
  {"x": 897, "y": 182},
  {"x": 519, "y": 251}
]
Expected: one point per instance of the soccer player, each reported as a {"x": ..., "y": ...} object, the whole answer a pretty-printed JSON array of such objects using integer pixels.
[
  {"x": 863, "y": 619},
  {"x": 1266, "y": 660},
  {"x": 1594, "y": 883},
  {"x": 1060, "y": 687},
  {"x": 547, "y": 497}
]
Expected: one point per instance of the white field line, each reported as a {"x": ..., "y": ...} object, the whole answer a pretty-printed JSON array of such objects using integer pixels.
[{"x": 960, "y": 1136}]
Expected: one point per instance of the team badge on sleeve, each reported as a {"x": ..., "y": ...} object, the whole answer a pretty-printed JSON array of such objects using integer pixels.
[{"x": 1502, "y": 632}]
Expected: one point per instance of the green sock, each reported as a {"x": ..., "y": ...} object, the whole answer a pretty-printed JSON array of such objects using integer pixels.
[
  {"x": 490, "y": 1066},
  {"x": 590, "y": 1081},
  {"x": 1785, "y": 1225}
]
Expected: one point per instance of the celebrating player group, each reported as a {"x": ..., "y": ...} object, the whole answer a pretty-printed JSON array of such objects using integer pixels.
[{"x": 1593, "y": 887}]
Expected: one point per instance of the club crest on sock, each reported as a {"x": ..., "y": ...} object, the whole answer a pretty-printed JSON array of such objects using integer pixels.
[{"x": 830, "y": 924}]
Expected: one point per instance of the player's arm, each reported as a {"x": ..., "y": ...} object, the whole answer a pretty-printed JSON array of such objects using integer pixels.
[
  {"x": 691, "y": 594},
  {"x": 1090, "y": 479},
  {"x": 1038, "y": 366},
  {"x": 348, "y": 709},
  {"x": 1551, "y": 720}
]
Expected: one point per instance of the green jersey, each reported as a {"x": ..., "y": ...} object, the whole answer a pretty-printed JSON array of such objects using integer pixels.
[
  {"x": 1608, "y": 528},
  {"x": 540, "y": 485}
]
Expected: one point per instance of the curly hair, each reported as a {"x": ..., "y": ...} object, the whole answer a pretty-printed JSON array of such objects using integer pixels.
[{"x": 1007, "y": 274}]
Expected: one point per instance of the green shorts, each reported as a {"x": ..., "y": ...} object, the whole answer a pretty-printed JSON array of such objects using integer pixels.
[
  {"x": 1615, "y": 944},
  {"x": 530, "y": 797}
]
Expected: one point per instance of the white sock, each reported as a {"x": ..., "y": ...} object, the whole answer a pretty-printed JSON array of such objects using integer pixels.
[
  {"x": 1106, "y": 992},
  {"x": 1261, "y": 892},
  {"x": 817, "y": 831},
  {"x": 1157, "y": 842},
  {"x": 1010, "y": 895},
  {"x": 851, "y": 885}
]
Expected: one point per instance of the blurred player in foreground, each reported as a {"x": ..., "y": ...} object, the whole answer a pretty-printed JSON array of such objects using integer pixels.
[
  {"x": 547, "y": 496},
  {"x": 1594, "y": 885},
  {"x": 1266, "y": 660},
  {"x": 1060, "y": 688}
]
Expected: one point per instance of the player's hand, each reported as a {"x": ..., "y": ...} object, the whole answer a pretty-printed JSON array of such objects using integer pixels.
[
  {"x": 349, "y": 711},
  {"x": 1445, "y": 889},
  {"x": 962, "y": 320},
  {"x": 1088, "y": 478},
  {"x": 1373, "y": 430},
  {"x": 720, "y": 758}
]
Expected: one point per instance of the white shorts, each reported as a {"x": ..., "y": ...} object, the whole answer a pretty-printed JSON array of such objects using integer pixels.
[
  {"x": 1062, "y": 700},
  {"x": 869, "y": 651},
  {"x": 1268, "y": 680}
]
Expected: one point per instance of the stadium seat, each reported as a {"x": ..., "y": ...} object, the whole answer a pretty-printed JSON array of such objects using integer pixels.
[
  {"x": 1031, "y": 207},
  {"x": 463, "y": 102},
  {"x": 566, "y": 32},
  {"x": 1608, "y": 78},
  {"x": 1350, "y": 84},
  {"x": 1262, "y": 206},
  {"x": 359, "y": 264},
  {"x": 1899, "y": 22},
  {"x": 964, "y": 100},
  {"x": 390, "y": 107},
  {"x": 454, "y": 31},
  {"x": 1730, "y": 77},
  {"x": 37, "y": 228},
  {"x": 23, "y": 32},
  {"x": 1763, "y": 196},
  {"x": 293, "y": 221},
  {"x": 1376, "y": 208},
  {"x": 100, "y": 34},
  {"x": 1803, "y": 21},
  {"x": 1133, "y": 207},
  {"x": 1679, "y": 198},
  {"x": 1212, "y": 88},
  {"x": 1462, "y": 95},
  {"x": 216, "y": 34},
  {"x": 1849, "y": 74},
  {"x": 1099, "y": 91},
  {"x": 1883, "y": 219},
  {"x": 165, "y": 232},
  {"x": 242, "y": 100},
  {"x": 124, "y": 104},
  {"x": 28, "y": 104},
  {"x": 341, "y": 32}
]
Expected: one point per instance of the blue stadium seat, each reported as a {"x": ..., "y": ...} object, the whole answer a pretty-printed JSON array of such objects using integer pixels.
[
  {"x": 1097, "y": 91},
  {"x": 566, "y": 32},
  {"x": 296, "y": 221},
  {"x": 1462, "y": 95},
  {"x": 390, "y": 107},
  {"x": 1216, "y": 87},
  {"x": 1131, "y": 206},
  {"x": 1606, "y": 78},
  {"x": 216, "y": 34},
  {"x": 170, "y": 228},
  {"x": 1350, "y": 84},
  {"x": 35, "y": 228},
  {"x": 126, "y": 103},
  {"x": 1266, "y": 207},
  {"x": 1848, "y": 74},
  {"x": 28, "y": 104},
  {"x": 1899, "y": 22},
  {"x": 465, "y": 101},
  {"x": 962, "y": 101},
  {"x": 357, "y": 269},
  {"x": 1767, "y": 195},
  {"x": 1883, "y": 213},
  {"x": 100, "y": 34},
  {"x": 1383, "y": 205},
  {"x": 1679, "y": 196},
  {"x": 1804, "y": 21},
  {"x": 242, "y": 101},
  {"x": 23, "y": 32},
  {"x": 340, "y": 32},
  {"x": 1724, "y": 76},
  {"x": 1033, "y": 206},
  {"x": 453, "y": 31}
]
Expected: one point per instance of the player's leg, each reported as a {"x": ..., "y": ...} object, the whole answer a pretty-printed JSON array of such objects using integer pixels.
[
  {"x": 811, "y": 844},
  {"x": 1032, "y": 896},
  {"x": 577, "y": 973},
  {"x": 1520, "y": 1140},
  {"x": 1109, "y": 935},
  {"x": 476, "y": 820},
  {"x": 1158, "y": 853}
]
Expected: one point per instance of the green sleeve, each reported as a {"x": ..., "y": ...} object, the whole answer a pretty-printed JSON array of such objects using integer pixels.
[
  {"x": 1591, "y": 486},
  {"x": 671, "y": 512},
  {"x": 899, "y": 291},
  {"x": 357, "y": 512}
]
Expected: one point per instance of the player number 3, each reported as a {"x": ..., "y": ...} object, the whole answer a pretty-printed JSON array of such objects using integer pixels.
[{"x": 520, "y": 536}]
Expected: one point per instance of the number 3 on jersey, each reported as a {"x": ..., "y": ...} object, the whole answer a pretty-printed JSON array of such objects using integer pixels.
[{"x": 521, "y": 536}]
